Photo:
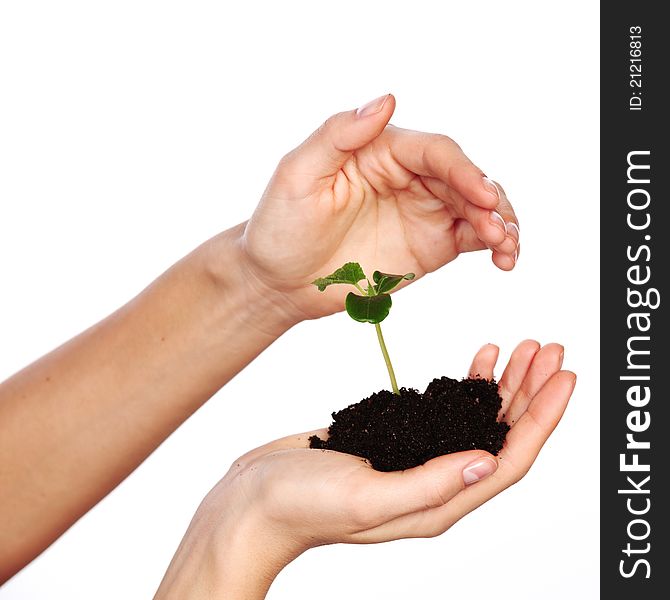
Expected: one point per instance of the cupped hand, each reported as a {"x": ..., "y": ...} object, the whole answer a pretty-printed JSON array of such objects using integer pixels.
[
  {"x": 322, "y": 496},
  {"x": 391, "y": 199},
  {"x": 283, "y": 498},
  {"x": 314, "y": 497}
]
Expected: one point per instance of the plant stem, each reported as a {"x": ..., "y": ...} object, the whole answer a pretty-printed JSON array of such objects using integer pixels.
[{"x": 387, "y": 360}]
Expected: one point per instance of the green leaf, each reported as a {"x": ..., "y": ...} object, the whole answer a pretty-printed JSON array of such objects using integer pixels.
[
  {"x": 350, "y": 273},
  {"x": 386, "y": 282},
  {"x": 368, "y": 309}
]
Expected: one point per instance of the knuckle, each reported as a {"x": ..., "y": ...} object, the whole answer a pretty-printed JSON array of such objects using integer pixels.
[
  {"x": 440, "y": 143},
  {"x": 518, "y": 474},
  {"x": 326, "y": 128},
  {"x": 442, "y": 139},
  {"x": 239, "y": 463},
  {"x": 329, "y": 123},
  {"x": 436, "y": 147},
  {"x": 286, "y": 161},
  {"x": 434, "y": 531},
  {"x": 436, "y": 495}
]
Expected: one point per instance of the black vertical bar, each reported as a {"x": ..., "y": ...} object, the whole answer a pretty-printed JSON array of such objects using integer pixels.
[{"x": 635, "y": 260}]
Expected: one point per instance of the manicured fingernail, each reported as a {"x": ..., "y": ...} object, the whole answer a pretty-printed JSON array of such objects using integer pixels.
[
  {"x": 478, "y": 470},
  {"x": 498, "y": 221},
  {"x": 512, "y": 231},
  {"x": 491, "y": 187},
  {"x": 372, "y": 107}
]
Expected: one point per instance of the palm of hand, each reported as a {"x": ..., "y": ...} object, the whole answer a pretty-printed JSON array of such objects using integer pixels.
[{"x": 325, "y": 497}]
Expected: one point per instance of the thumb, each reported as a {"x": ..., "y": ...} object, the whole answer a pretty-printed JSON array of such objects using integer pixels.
[
  {"x": 324, "y": 152},
  {"x": 428, "y": 486}
]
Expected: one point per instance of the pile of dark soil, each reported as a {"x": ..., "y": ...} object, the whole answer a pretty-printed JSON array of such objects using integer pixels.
[{"x": 396, "y": 432}]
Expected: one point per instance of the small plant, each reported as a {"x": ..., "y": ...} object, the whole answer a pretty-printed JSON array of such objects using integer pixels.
[
  {"x": 372, "y": 305},
  {"x": 400, "y": 430}
]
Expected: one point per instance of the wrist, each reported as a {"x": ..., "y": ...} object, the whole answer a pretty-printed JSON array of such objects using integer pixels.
[
  {"x": 248, "y": 555},
  {"x": 229, "y": 551},
  {"x": 255, "y": 304}
]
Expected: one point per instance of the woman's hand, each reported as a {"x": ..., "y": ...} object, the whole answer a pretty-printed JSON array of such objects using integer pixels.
[
  {"x": 361, "y": 190},
  {"x": 283, "y": 498}
]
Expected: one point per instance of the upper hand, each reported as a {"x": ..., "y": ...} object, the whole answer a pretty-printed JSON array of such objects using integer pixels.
[{"x": 361, "y": 190}]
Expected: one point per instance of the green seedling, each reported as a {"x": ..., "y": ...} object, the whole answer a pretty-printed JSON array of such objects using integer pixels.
[{"x": 371, "y": 305}]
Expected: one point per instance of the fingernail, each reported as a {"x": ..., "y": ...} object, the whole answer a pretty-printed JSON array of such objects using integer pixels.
[
  {"x": 512, "y": 231},
  {"x": 498, "y": 221},
  {"x": 372, "y": 107},
  {"x": 491, "y": 187},
  {"x": 478, "y": 470},
  {"x": 560, "y": 359}
]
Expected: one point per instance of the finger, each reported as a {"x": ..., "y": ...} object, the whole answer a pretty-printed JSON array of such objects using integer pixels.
[
  {"x": 484, "y": 362},
  {"x": 527, "y": 436},
  {"x": 515, "y": 372},
  {"x": 438, "y": 156},
  {"x": 433, "y": 484},
  {"x": 487, "y": 224},
  {"x": 545, "y": 363},
  {"x": 512, "y": 233},
  {"x": 466, "y": 237},
  {"x": 505, "y": 262},
  {"x": 450, "y": 175},
  {"x": 546, "y": 409},
  {"x": 468, "y": 240},
  {"x": 329, "y": 147},
  {"x": 524, "y": 442},
  {"x": 478, "y": 228}
]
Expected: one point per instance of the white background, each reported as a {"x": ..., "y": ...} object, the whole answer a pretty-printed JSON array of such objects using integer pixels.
[{"x": 132, "y": 131}]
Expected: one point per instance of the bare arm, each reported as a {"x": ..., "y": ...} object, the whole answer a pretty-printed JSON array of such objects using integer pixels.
[{"x": 76, "y": 422}]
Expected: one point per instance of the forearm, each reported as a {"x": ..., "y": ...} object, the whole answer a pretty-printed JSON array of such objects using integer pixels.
[{"x": 76, "y": 422}]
